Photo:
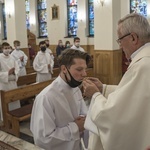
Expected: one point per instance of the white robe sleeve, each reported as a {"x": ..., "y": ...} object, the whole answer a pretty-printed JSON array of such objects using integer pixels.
[
  {"x": 4, "y": 77},
  {"x": 25, "y": 59},
  {"x": 40, "y": 68},
  {"x": 45, "y": 132}
]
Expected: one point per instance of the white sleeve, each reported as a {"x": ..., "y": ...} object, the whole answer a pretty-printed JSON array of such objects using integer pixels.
[
  {"x": 40, "y": 68},
  {"x": 45, "y": 132}
]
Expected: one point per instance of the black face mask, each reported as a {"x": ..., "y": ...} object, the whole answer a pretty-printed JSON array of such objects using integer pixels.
[
  {"x": 43, "y": 49},
  {"x": 72, "y": 83}
]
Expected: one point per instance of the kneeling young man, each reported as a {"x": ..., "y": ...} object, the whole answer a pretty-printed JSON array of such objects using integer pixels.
[{"x": 59, "y": 111}]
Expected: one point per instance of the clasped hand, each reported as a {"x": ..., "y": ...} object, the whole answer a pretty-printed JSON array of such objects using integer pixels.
[{"x": 91, "y": 85}]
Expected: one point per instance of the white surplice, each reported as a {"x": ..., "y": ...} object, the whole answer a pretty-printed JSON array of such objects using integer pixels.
[
  {"x": 22, "y": 64},
  {"x": 123, "y": 119},
  {"x": 78, "y": 48},
  {"x": 40, "y": 65},
  {"x": 53, "y": 115},
  {"x": 50, "y": 52},
  {"x": 8, "y": 82}
]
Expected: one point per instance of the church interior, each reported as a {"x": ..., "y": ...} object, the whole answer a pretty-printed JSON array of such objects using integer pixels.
[{"x": 33, "y": 21}]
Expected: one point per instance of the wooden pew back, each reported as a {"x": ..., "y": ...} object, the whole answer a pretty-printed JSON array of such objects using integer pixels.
[{"x": 11, "y": 121}]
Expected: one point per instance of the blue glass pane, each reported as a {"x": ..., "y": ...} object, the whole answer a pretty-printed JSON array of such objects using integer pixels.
[
  {"x": 72, "y": 21},
  {"x": 91, "y": 27},
  {"x": 4, "y": 21},
  {"x": 138, "y": 6},
  {"x": 41, "y": 4},
  {"x": 42, "y": 16},
  {"x": 27, "y": 20},
  {"x": 72, "y": 2},
  {"x": 91, "y": 17},
  {"x": 91, "y": 11},
  {"x": 27, "y": 5},
  {"x": 43, "y": 29}
]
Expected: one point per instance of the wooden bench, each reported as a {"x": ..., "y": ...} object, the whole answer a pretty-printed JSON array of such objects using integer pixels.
[
  {"x": 31, "y": 77},
  {"x": 12, "y": 118}
]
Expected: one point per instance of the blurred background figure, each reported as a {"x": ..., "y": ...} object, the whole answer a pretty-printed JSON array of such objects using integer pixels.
[
  {"x": 67, "y": 44},
  {"x": 20, "y": 57},
  {"x": 31, "y": 54},
  {"x": 59, "y": 48}
]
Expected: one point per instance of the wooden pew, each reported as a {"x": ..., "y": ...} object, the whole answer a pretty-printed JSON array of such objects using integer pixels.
[
  {"x": 12, "y": 118},
  {"x": 27, "y": 79},
  {"x": 31, "y": 78}
]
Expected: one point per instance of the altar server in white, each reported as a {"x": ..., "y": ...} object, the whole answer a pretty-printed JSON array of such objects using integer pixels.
[
  {"x": 122, "y": 113},
  {"x": 9, "y": 71},
  {"x": 20, "y": 57},
  {"x": 43, "y": 64},
  {"x": 59, "y": 111}
]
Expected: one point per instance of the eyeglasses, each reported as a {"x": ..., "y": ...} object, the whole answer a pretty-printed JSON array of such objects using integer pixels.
[{"x": 119, "y": 40}]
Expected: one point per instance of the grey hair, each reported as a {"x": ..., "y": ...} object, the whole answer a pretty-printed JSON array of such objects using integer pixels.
[{"x": 135, "y": 23}]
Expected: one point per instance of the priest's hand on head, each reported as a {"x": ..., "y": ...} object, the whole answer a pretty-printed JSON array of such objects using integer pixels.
[
  {"x": 89, "y": 88},
  {"x": 80, "y": 123}
]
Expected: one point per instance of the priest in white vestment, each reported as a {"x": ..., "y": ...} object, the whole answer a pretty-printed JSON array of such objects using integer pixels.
[
  {"x": 20, "y": 57},
  {"x": 59, "y": 111},
  {"x": 43, "y": 64},
  {"x": 122, "y": 113},
  {"x": 9, "y": 71}
]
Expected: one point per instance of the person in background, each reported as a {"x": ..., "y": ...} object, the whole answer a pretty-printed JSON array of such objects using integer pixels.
[
  {"x": 43, "y": 64},
  {"x": 9, "y": 72},
  {"x": 121, "y": 112},
  {"x": 67, "y": 44},
  {"x": 59, "y": 111},
  {"x": 20, "y": 57},
  {"x": 59, "y": 48},
  {"x": 48, "y": 50},
  {"x": 31, "y": 54},
  {"x": 76, "y": 44}
]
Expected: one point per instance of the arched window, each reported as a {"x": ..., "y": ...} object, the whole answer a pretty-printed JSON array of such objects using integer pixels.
[
  {"x": 138, "y": 6},
  {"x": 27, "y": 14},
  {"x": 72, "y": 17},
  {"x": 42, "y": 18},
  {"x": 91, "y": 17},
  {"x": 4, "y": 22}
]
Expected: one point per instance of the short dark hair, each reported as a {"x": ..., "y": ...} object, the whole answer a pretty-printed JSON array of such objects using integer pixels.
[
  {"x": 16, "y": 42},
  {"x": 67, "y": 57},
  {"x": 76, "y": 38},
  {"x": 5, "y": 44},
  {"x": 42, "y": 42}
]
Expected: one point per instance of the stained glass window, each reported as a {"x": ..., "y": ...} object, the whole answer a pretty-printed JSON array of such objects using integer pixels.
[
  {"x": 91, "y": 17},
  {"x": 42, "y": 18},
  {"x": 4, "y": 21},
  {"x": 138, "y": 6},
  {"x": 72, "y": 17},
  {"x": 27, "y": 14}
]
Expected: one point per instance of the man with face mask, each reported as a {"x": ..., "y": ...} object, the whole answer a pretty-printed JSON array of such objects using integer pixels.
[
  {"x": 59, "y": 111},
  {"x": 20, "y": 57},
  {"x": 76, "y": 44},
  {"x": 9, "y": 72},
  {"x": 43, "y": 64}
]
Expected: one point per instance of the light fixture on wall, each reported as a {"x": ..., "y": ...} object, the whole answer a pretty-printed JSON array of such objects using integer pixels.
[{"x": 101, "y": 2}]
